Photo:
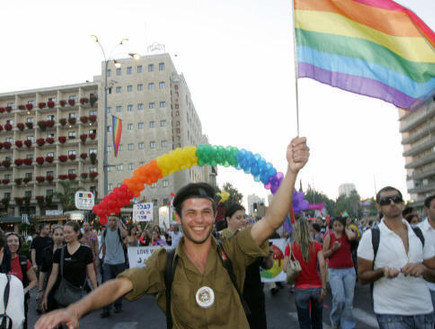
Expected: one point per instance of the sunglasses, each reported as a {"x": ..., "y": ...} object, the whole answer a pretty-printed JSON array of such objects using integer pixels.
[{"x": 386, "y": 200}]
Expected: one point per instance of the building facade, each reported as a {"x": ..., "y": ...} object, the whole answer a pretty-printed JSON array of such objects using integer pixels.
[
  {"x": 346, "y": 189},
  {"x": 418, "y": 138},
  {"x": 47, "y": 137},
  {"x": 50, "y": 136}
]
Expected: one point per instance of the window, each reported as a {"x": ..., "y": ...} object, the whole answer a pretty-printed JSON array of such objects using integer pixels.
[
  {"x": 140, "y": 87},
  {"x": 129, "y": 88},
  {"x": 118, "y": 71},
  {"x": 72, "y": 171},
  {"x": 152, "y": 124},
  {"x": 140, "y": 125},
  {"x": 109, "y": 149},
  {"x": 91, "y": 151},
  {"x": 92, "y": 131},
  {"x": 120, "y": 167},
  {"x": 49, "y": 192},
  {"x": 74, "y": 97},
  {"x": 72, "y": 115},
  {"x": 7, "y": 195},
  {"x": 139, "y": 69},
  {"x": 30, "y": 119},
  {"x": 165, "y": 183},
  {"x": 153, "y": 144},
  {"x": 130, "y": 126},
  {"x": 161, "y": 85},
  {"x": 141, "y": 163},
  {"x": 130, "y": 166},
  {"x": 162, "y": 104},
  {"x": 72, "y": 152},
  {"x": 119, "y": 109},
  {"x": 93, "y": 112},
  {"x": 109, "y": 110},
  {"x": 28, "y": 175},
  {"x": 118, "y": 90},
  {"x": 120, "y": 147},
  {"x": 50, "y": 154},
  {"x": 153, "y": 185},
  {"x": 150, "y": 67},
  {"x": 11, "y": 122},
  {"x": 29, "y": 156},
  {"x": 110, "y": 186},
  {"x": 151, "y": 105},
  {"x": 109, "y": 169},
  {"x": 71, "y": 134},
  {"x": 140, "y": 107},
  {"x": 129, "y": 108},
  {"x": 27, "y": 194},
  {"x": 151, "y": 86},
  {"x": 130, "y": 147},
  {"x": 93, "y": 169},
  {"x": 11, "y": 105},
  {"x": 163, "y": 123},
  {"x": 129, "y": 70},
  {"x": 155, "y": 202},
  {"x": 109, "y": 72},
  {"x": 9, "y": 139},
  {"x": 141, "y": 146},
  {"x": 51, "y": 135},
  {"x": 161, "y": 66},
  {"x": 30, "y": 138},
  {"x": 50, "y": 117},
  {"x": 164, "y": 143},
  {"x": 109, "y": 129}
]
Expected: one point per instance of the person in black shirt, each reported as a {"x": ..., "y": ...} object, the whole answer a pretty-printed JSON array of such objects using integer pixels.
[{"x": 78, "y": 260}]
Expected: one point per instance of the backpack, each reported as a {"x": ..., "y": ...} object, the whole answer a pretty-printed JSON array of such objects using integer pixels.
[
  {"x": 170, "y": 267},
  {"x": 5, "y": 320}
]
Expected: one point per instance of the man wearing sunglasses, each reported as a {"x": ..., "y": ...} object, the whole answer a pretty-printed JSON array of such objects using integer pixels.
[{"x": 399, "y": 267}]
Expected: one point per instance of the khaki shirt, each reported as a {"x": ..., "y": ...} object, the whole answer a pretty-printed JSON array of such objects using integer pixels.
[{"x": 226, "y": 311}]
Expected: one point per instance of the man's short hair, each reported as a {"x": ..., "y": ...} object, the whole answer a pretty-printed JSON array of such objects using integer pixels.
[
  {"x": 386, "y": 189},
  {"x": 194, "y": 191},
  {"x": 429, "y": 200},
  {"x": 42, "y": 226}
]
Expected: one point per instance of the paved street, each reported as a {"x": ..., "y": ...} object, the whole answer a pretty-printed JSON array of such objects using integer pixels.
[{"x": 281, "y": 313}]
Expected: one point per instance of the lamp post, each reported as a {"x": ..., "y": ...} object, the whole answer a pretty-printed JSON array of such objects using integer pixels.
[{"x": 106, "y": 89}]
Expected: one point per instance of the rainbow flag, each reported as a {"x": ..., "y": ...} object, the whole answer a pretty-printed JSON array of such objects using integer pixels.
[
  {"x": 116, "y": 133},
  {"x": 375, "y": 48}
]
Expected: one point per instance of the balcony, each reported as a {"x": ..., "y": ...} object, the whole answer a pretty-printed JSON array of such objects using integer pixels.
[
  {"x": 421, "y": 161},
  {"x": 423, "y": 189},
  {"x": 420, "y": 147},
  {"x": 429, "y": 129},
  {"x": 423, "y": 174},
  {"x": 419, "y": 117}
]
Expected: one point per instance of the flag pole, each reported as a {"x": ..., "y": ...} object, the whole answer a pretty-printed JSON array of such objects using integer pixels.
[{"x": 295, "y": 52}]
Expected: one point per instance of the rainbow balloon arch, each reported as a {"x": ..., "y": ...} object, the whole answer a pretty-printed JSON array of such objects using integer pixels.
[{"x": 188, "y": 157}]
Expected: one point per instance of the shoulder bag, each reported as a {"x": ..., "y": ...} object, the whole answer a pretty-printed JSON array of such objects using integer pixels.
[
  {"x": 67, "y": 293},
  {"x": 293, "y": 267}
]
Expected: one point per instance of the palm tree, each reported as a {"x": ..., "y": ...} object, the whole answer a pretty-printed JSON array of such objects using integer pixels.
[{"x": 67, "y": 197}]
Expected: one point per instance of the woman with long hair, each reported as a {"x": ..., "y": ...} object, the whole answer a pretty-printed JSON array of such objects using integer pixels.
[
  {"x": 310, "y": 287},
  {"x": 131, "y": 239},
  {"x": 47, "y": 266},
  {"x": 342, "y": 276},
  {"x": 22, "y": 269},
  {"x": 77, "y": 261}
]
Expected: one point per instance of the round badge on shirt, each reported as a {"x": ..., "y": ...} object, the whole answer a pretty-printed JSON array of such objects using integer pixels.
[{"x": 205, "y": 297}]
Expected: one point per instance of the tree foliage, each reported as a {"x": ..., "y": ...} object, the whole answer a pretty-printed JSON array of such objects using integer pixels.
[
  {"x": 66, "y": 197},
  {"x": 235, "y": 195}
]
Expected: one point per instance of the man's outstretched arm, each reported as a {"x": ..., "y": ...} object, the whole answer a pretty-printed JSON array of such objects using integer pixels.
[
  {"x": 297, "y": 156},
  {"x": 100, "y": 297}
]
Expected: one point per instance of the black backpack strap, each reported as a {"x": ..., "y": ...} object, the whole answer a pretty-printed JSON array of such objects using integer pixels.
[
  {"x": 6, "y": 292},
  {"x": 376, "y": 239},
  {"x": 171, "y": 265},
  {"x": 228, "y": 265},
  {"x": 418, "y": 233}
]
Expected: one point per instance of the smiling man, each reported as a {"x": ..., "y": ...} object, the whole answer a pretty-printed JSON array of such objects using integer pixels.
[{"x": 202, "y": 294}]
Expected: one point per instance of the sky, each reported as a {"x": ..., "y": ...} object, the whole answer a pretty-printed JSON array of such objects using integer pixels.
[{"x": 237, "y": 58}]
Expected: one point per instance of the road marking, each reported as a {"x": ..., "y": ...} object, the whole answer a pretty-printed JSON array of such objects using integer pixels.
[
  {"x": 125, "y": 325},
  {"x": 363, "y": 316},
  {"x": 294, "y": 315}
]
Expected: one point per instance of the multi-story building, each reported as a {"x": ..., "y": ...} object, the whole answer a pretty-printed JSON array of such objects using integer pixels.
[
  {"x": 346, "y": 189},
  {"x": 418, "y": 139},
  {"x": 158, "y": 115},
  {"x": 252, "y": 198},
  {"x": 52, "y": 135},
  {"x": 47, "y": 136}
]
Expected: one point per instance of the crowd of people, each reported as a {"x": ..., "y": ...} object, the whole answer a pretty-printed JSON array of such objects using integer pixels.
[{"x": 395, "y": 253}]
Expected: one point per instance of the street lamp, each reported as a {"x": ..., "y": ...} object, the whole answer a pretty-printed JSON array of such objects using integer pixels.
[{"x": 106, "y": 89}]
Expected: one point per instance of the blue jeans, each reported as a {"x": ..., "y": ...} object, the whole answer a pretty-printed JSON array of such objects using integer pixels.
[
  {"x": 342, "y": 282},
  {"x": 110, "y": 272},
  {"x": 309, "y": 319},
  {"x": 394, "y": 321}
]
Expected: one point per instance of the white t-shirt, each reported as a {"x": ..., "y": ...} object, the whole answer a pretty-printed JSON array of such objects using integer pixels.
[
  {"x": 429, "y": 238},
  {"x": 175, "y": 237},
  {"x": 401, "y": 295},
  {"x": 15, "y": 308}
]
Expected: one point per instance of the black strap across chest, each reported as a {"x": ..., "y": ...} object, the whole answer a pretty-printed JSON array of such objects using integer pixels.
[{"x": 171, "y": 265}]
